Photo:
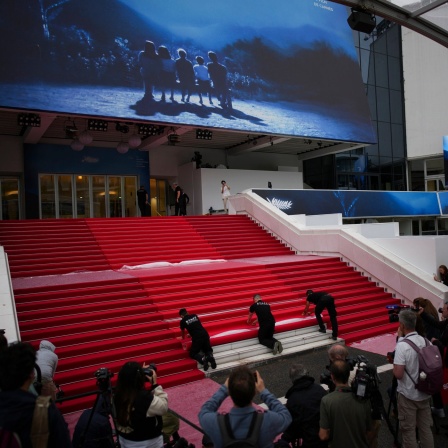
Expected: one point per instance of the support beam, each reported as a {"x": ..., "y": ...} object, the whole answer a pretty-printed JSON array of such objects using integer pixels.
[
  {"x": 256, "y": 144},
  {"x": 34, "y": 135},
  {"x": 158, "y": 140}
]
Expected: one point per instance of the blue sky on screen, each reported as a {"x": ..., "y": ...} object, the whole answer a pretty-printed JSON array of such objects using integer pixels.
[{"x": 301, "y": 21}]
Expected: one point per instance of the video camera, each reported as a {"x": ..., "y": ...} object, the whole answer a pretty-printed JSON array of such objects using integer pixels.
[
  {"x": 103, "y": 376},
  {"x": 148, "y": 371},
  {"x": 366, "y": 380},
  {"x": 394, "y": 311}
]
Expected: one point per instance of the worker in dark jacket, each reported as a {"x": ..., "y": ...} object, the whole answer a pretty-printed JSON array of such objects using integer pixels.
[
  {"x": 322, "y": 300},
  {"x": 303, "y": 403}
]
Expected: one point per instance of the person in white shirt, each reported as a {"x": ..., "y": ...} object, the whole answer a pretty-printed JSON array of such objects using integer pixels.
[
  {"x": 225, "y": 193},
  {"x": 413, "y": 406}
]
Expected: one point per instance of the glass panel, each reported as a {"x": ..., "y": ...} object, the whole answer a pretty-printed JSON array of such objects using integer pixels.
[
  {"x": 428, "y": 226},
  {"x": 82, "y": 197},
  {"x": 115, "y": 197},
  {"x": 381, "y": 74},
  {"x": 130, "y": 188},
  {"x": 47, "y": 196},
  {"x": 65, "y": 192},
  {"x": 99, "y": 197},
  {"x": 442, "y": 226},
  {"x": 10, "y": 198},
  {"x": 394, "y": 73},
  {"x": 434, "y": 167}
]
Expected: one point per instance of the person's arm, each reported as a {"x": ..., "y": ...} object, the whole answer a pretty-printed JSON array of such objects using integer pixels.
[
  {"x": 324, "y": 434},
  {"x": 178, "y": 196},
  {"x": 250, "y": 317},
  {"x": 305, "y": 311},
  {"x": 281, "y": 417},
  {"x": 207, "y": 415},
  {"x": 399, "y": 362},
  {"x": 159, "y": 402}
]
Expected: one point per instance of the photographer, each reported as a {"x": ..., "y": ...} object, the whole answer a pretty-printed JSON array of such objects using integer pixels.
[
  {"x": 303, "y": 403},
  {"x": 442, "y": 345},
  {"x": 344, "y": 418},
  {"x": 339, "y": 352},
  {"x": 139, "y": 411}
]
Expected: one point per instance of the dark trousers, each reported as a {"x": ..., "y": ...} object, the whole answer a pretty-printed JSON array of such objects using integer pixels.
[
  {"x": 176, "y": 209},
  {"x": 142, "y": 208},
  {"x": 201, "y": 344},
  {"x": 265, "y": 334},
  {"x": 328, "y": 303}
]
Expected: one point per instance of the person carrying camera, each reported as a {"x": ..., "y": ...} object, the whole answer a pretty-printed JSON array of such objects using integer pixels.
[
  {"x": 139, "y": 411},
  {"x": 241, "y": 386},
  {"x": 345, "y": 420},
  {"x": 413, "y": 405},
  {"x": 322, "y": 300}
]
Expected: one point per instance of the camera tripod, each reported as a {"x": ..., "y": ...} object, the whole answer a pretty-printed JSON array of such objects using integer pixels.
[{"x": 106, "y": 394}]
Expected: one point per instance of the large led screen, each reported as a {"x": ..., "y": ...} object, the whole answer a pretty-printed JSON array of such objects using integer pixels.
[
  {"x": 287, "y": 67},
  {"x": 353, "y": 203}
]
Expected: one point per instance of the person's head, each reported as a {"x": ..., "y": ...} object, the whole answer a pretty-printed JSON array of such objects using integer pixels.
[
  {"x": 257, "y": 298},
  {"x": 131, "y": 380},
  {"x": 443, "y": 269},
  {"x": 212, "y": 56},
  {"x": 47, "y": 345},
  {"x": 164, "y": 52},
  {"x": 17, "y": 366},
  {"x": 200, "y": 60},
  {"x": 297, "y": 371},
  {"x": 150, "y": 48},
  {"x": 242, "y": 386},
  {"x": 223, "y": 182},
  {"x": 407, "y": 320},
  {"x": 131, "y": 377},
  {"x": 182, "y": 53},
  {"x": 142, "y": 187},
  {"x": 337, "y": 352},
  {"x": 309, "y": 292},
  {"x": 182, "y": 312},
  {"x": 175, "y": 185},
  {"x": 340, "y": 372}
]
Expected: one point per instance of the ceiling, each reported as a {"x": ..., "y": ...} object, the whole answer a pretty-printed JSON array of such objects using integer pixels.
[{"x": 62, "y": 129}]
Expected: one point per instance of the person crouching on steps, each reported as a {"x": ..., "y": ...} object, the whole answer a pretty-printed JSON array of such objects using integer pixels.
[{"x": 200, "y": 339}]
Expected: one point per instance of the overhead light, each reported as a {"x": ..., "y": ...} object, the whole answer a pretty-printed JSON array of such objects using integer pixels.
[
  {"x": 150, "y": 129},
  {"x": 32, "y": 120},
  {"x": 123, "y": 147},
  {"x": 173, "y": 138},
  {"x": 76, "y": 145},
  {"x": 97, "y": 125},
  {"x": 134, "y": 141},
  {"x": 85, "y": 138},
  {"x": 204, "y": 134}
]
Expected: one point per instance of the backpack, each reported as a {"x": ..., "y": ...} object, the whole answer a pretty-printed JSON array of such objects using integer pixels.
[
  {"x": 250, "y": 441},
  {"x": 39, "y": 428},
  {"x": 430, "y": 367}
]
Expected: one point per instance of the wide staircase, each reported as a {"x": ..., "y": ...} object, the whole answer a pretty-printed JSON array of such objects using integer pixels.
[{"x": 101, "y": 321}]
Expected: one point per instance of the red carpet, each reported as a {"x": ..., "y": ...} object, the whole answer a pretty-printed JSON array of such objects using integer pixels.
[{"x": 103, "y": 318}]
